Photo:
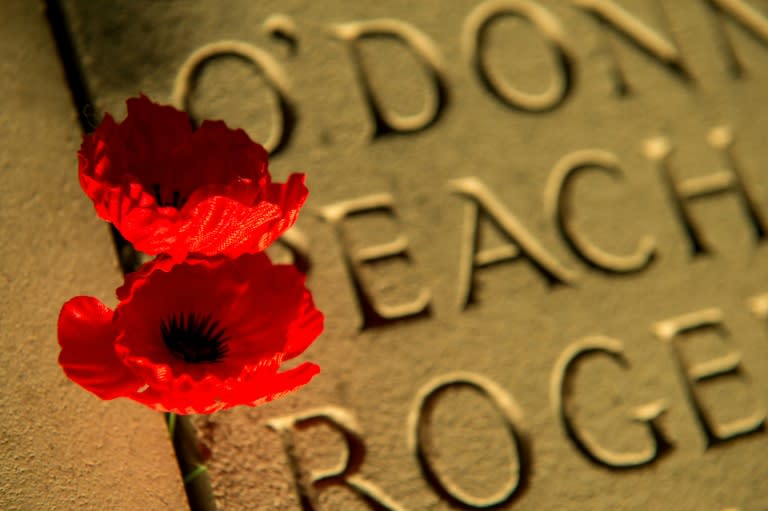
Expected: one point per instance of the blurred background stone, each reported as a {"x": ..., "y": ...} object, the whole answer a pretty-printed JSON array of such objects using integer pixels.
[{"x": 62, "y": 448}]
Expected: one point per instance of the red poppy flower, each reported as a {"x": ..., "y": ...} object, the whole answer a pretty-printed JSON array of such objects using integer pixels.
[
  {"x": 171, "y": 190},
  {"x": 194, "y": 337}
]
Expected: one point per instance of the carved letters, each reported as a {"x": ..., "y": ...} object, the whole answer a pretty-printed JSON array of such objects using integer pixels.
[
  {"x": 346, "y": 473},
  {"x": 590, "y": 447},
  {"x": 558, "y": 203},
  {"x": 663, "y": 49},
  {"x": 647, "y": 417},
  {"x": 274, "y": 75},
  {"x": 384, "y": 120},
  {"x": 474, "y": 40},
  {"x": 482, "y": 203},
  {"x": 418, "y": 439},
  {"x": 672, "y": 331},
  {"x": 746, "y": 16},
  {"x": 374, "y": 313},
  {"x": 484, "y": 209},
  {"x": 681, "y": 192}
]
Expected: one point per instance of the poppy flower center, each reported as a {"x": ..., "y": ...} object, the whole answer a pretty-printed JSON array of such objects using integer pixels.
[
  {"x": 176, "y": 201},
  {"x": 194, "y": 338}
]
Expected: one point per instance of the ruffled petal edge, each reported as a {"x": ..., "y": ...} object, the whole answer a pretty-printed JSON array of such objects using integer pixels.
[{"x": 88, "y": 358}]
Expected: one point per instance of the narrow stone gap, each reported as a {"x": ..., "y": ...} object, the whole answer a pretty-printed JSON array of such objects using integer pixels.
[{"x": 185, "y": 440}]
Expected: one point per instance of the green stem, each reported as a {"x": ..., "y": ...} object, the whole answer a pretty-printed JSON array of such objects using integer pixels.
[
  {"x": 171, "y": 424},
  {"x": 200, "y": 469}
]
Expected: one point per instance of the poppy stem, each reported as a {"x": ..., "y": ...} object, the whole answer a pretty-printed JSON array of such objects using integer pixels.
[
  {"x": 171, "y": 424},
  {"x": 192, "y": 469},
  {"x": 197, "y": 472}
]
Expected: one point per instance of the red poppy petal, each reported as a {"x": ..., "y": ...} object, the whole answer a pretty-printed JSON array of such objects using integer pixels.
[
  {"x": 93, "y": 162},
  {"x": 151, "y": 145},
  {"x": 226, "y": 155},
  {"x": 87, "y": 340},
  {"x": 256, "y": 386},
  {"x": 221, "y": 225},
  {"x": 158, "y": 375},
  {"x": 163, "y": 127},
  {"x": 201, "y": 398},
  {"x": 274, "y": 313},
  {"x": 96, "y": 171},
  {"x": 289, "y": 197},
  {"x": 139, "y": 277},
  {"x": 163, "y": 289},
  {"x": 134, "y": 212},
  {"x": 307, "y": 326},
  {"x": 213, "y": 225},
  {"x": 262, "y": 388}
]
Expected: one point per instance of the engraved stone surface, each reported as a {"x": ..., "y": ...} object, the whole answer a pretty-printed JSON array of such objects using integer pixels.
[
  {"x": 537, "y": 229},
  {"x": 60, "y": 447}
]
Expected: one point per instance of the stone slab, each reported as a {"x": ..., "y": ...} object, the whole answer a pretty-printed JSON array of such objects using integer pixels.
[
  {"x": 620, "y": 305},
  {"x": 60, "y": 447}
]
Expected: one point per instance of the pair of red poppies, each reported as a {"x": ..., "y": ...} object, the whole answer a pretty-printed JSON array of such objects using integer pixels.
[{"x": 206, "y": 325}]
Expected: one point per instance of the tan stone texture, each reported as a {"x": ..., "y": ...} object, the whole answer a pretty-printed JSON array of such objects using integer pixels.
[
  {"x": 60, "y": 447},
  {"x": 519, "y": 326}
]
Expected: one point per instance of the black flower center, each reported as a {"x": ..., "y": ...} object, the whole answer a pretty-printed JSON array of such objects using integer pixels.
[
  {"x": 194, "y": 338},
  {"x": 177, "y": 201}
]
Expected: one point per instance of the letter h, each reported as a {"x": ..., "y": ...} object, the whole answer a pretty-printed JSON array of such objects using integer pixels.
[{"x": 682, "y": 192}]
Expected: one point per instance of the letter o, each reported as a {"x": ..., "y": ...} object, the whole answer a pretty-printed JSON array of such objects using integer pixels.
[
  {"x": 283, "y": 122},
  {"x": 504, "y": 405},
  {"x": 474, "y": 35}
]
